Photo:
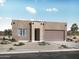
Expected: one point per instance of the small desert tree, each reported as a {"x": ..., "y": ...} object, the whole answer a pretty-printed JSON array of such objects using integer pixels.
[
  {"x": 74, "y": 29},
  {"x": 8, "y": 33}
]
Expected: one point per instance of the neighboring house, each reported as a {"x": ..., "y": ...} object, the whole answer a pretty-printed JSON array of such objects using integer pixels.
[{"x": 38, "y": 30}]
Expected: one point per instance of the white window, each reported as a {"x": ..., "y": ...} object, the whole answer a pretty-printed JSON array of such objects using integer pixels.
[{"x": 21, "y": 32}]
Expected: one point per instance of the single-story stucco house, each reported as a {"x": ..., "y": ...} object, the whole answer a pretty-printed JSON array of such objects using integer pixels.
[{"x": 35, "y": 31}]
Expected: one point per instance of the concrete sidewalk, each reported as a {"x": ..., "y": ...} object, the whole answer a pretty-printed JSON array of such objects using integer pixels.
[
  {"x": 40, "y": 51},
  {"x": 46, "y": 54}
]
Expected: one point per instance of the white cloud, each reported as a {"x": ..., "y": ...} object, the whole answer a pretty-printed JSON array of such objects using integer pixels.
[
  {"x": 8, "y": 18},
  {"x": 31, "y": 10},
  {"x": 32, "y": 19},
  {"x": 2, "y": 2},
  {"x": 5, "y": 23},
  {"x": 1, "y": 18},
  {"x": 52, "y": 9}
]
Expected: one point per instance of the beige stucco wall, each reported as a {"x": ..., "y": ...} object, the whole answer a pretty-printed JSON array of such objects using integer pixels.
[
  {"x": 20, "y": 24},
  {"x": 56, "y": 26},
  {"x": 36, "y": 24}
]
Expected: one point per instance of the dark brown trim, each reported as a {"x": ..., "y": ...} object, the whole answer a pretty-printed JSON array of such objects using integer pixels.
[
  {"x": 37, "y": 34},
  {"x": 64, "y": 35},
  {"x": 30, "y": 32}
]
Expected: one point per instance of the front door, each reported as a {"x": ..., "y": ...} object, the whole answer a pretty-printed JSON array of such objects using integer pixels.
[{"x": 37, "y": 34}]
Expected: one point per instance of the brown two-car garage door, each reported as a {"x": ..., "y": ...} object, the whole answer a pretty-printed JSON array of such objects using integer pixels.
[{"x": 54, "y": 35}]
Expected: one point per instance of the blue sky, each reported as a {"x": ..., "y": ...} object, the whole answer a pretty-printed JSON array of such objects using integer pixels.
[{"x": 46, "y": 10}]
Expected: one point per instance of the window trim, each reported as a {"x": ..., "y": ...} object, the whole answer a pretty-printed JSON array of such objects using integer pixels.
[{"x": 22, "y": 32}]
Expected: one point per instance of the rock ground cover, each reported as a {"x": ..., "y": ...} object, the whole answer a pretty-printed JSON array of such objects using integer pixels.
[{"x": 34, "y": 46}]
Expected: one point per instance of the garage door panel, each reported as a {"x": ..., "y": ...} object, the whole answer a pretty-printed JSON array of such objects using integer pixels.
[{"x": 54, "y": 35}]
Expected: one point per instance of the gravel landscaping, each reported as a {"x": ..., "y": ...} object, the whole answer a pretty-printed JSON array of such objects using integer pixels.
[{"x": 34, "y": 46}]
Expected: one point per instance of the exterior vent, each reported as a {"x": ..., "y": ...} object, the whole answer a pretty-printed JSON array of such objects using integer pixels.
[
  {"x": 32, "y": 22},
  {"x": 42, "y": 23},
  {"x": 13, "y": 23}
]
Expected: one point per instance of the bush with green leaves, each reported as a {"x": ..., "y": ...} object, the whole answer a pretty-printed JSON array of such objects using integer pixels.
[
  {"x": 19, "y": 44},
  {"x": 13, "y": 40},
  {"x": 5, "y": 39},
  {"x": 43, "y": 43},
  {"x": 63, "y": 46},
  {"x": 5, "y": 42},
  {"x": 11, "y": 48},
  {"x": 74, "y": 37},
  {"x": 69, "y": 39}
]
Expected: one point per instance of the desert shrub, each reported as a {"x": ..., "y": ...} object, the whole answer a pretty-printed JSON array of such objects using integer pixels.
[
  {"x": 63, "y": 46},
  {"x": 5, "y": 42},
  {"x": 74, "y": 37},
  {"x": 4, "y": 38},
  {"x": 69, "y": 39},
  {"x": 11, "y": 48},
  {"x": 13, "y": 40},
  {"x": 15, "y": 44},
  {"x": 77, "y": 41},
  {"x": 19, "y": 44},
  {"x": 43, "y": 43}
]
